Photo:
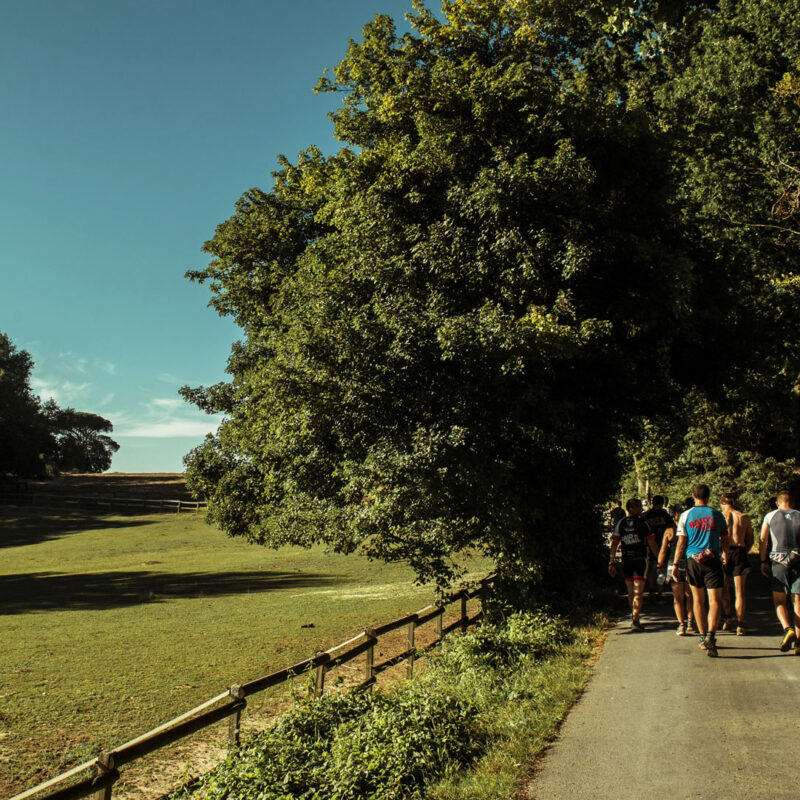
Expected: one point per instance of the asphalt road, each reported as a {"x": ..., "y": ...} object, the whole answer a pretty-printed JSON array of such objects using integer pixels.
[{"x": 660, "y": 719}]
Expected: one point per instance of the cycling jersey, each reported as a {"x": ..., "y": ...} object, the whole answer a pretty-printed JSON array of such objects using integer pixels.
[
  {"x": 703, "y": 527},
  {"x": 632, "y": 534},
  {"x": 784, "y": 532}
]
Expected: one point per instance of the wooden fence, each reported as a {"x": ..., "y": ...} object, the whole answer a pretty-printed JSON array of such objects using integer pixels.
[
  {"x": 231, "y": 703},
  {"x": 54, "y": 500}
]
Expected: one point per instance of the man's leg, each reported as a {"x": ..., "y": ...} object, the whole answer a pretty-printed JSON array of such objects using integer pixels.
[
  {"x": 678, "y": 602},
  {"x": 699, "y": 606},
  {"x": 629, "y": 587},
  {"x": 779, "y": 601},
  {"x": 714, "y": 605},
  {"x": 796, "y": 602},
  {"x": 726, "y": 596},
  {"x": 636, "y": 604},
  {"x": 740, "y": 584}
]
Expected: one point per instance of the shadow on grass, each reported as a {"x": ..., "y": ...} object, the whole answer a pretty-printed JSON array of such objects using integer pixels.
[
  {"x": 52, "y": 591},
  {"x": 20, "y": 528}
]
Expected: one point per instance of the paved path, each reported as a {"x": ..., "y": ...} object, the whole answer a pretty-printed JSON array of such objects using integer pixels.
[{"x": 661, "y": 719}]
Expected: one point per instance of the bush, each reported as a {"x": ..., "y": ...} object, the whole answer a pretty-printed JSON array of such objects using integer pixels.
[{"x": 396, "y": 744}]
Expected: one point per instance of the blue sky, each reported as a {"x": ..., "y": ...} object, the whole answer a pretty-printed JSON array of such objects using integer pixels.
[{"x": 129, "y": 129}]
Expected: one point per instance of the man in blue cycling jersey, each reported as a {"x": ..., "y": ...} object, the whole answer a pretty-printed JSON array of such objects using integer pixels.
[{"x": 701, "y": 533}]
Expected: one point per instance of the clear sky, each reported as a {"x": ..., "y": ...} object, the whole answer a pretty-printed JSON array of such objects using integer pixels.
[{"x": 128, "y": 129}]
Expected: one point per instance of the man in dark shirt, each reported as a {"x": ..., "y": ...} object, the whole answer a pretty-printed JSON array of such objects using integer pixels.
[
  {"x": 658, "y": 520},
  {"x": 633, "y": 537}
]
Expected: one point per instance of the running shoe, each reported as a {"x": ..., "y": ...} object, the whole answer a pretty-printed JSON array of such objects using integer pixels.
[
  {"x": 637, "y": 625},
  {"x": 788, "y": 640},
  {"x": 740, "y": 629},
  {"x": 711, "y": 647},
  {"x": 727, "y": 624},
  {"x": 681, "y": 629},
  {"x": 703, "y": 642},
  {"x": 693, "y": 625},
  {"x": 797, "y": 649}
]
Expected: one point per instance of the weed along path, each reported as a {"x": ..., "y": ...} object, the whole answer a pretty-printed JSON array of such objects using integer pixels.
[{"x": 661, "y": 719}]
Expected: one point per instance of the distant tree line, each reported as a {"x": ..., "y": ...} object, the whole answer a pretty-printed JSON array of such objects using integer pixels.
[
  {"x": 557, "y": 234},
  {"x": 41, "y": 439}
]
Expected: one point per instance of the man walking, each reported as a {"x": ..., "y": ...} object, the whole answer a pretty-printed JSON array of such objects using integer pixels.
[
  {"x": 737, "y": 564},
  {"x": 701, "y": 532},
  {"x": 780, "y": 563},
  {"x": 658, "y": 520},
  {"x": 634, "y": 537}
]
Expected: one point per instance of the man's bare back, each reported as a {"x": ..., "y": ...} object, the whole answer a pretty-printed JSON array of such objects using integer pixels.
[{"x": 740, "y": 528}]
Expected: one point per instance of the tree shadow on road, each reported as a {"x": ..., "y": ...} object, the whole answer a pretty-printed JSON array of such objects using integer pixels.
[{"x": 52, "y": 591}]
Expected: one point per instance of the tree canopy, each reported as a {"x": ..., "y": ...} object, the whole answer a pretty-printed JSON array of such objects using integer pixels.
[
  {"x": 39, "y": 439},
  {"x": 514, "y": 261}
]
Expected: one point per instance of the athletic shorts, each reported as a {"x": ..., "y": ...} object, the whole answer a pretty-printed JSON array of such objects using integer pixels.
[
  {"x": 681, "y": 575},
  {"x": 708, "y": 574},
  {"x": 634, "y": 568},
  {"x": 738, "y": 563},
  {"x": 785, "y": 580}
]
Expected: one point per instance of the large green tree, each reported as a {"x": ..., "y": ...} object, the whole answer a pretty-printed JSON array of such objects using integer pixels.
[
  {"x": 25, "y": 438},
  {"x": 446, "y": 325},
  {"x": 40, "y": 439},
  {"x": 729, "y": 103}
]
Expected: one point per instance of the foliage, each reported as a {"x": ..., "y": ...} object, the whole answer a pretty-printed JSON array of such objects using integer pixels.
[
  {"x": 397, "y": 744},
  {"x": 81, "y": 444},
  {"x": 39, "y": 439},
  {"x": 729, "y": 105},
  {"x": 24, "y": 435},
  {"x": 447, "y": 324}
]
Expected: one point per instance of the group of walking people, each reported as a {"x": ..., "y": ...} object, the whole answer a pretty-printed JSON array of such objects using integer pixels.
[{"x": 702, "y": 554}]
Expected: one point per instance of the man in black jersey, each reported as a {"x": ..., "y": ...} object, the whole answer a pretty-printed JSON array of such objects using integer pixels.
[
  {"x": 633, "y": 537},
  {"x": 658, "y": 520}
]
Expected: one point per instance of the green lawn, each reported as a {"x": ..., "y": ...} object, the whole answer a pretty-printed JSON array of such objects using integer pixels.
[{"x": 110, "y": 625}]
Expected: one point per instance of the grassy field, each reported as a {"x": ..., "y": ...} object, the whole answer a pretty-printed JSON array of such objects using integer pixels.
[{"x": 110, "y": 625}]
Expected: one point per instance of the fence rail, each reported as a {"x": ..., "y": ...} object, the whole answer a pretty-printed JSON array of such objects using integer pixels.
[
  {"x": 54, "y": 500},
  {"x": 105, "y": 766}
]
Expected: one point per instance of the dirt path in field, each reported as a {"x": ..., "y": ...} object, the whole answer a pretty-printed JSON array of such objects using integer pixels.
[{"x": 659, "y": 718}]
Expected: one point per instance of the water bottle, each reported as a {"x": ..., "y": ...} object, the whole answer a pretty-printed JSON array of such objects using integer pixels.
[{"x": 662, "y": 577}]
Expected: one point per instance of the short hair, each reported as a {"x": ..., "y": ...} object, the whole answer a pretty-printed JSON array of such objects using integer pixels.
[
  {"x": 632, "y": 502},
  {"x": 728, "y": 499},
  {"x": 784, "y": 495},
  {"x": 701, "y": 492},
  {"x": 658, "y": 500}
]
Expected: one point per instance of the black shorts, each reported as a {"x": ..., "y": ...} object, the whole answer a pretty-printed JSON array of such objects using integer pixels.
[
  {"x": 785, "y": 579},
  {"x": 708, "y": 574},
  {"x": 633, "y": 569},
  {"x": 738, "y": 563}
]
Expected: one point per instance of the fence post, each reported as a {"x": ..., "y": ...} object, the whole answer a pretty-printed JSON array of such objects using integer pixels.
[
  {"x": 235, "y": 719},
  {"x": 412, "y": 626},
  {"x": 439, "y": 636},
  {"x": 369, "y": 669},
  {"x": 464, "y": 617},
  {"x": 178, "y": 509},
  {"x": 319, "y": 677},
  {"x": 104, "y": 765}
]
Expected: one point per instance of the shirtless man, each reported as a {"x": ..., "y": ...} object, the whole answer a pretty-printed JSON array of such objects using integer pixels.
[
  {"x": 737, "y": 565},
  {"x": 677, "y": 577}
]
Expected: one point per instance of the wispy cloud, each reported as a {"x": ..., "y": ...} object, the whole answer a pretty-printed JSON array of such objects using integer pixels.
[
  {"x": 164, "y": 418},
  {"x": 167, "y": 377},
  {"x": 60, "y": 391},
  {"x": 170, "y": 428}
]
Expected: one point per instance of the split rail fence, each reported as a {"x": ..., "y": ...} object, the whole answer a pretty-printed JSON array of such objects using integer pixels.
[
  {"x": 231, "y": 703},
  {"x": 53, "y": 500}
]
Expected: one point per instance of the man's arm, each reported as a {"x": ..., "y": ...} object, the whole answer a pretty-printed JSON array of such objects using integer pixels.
[
  {"x": 763, "y": 550},
  {"x": 662, "y": 554},
  {"x": 651, "y": 540},
  {"x": 749, "y": 536},
  {"x": 612, "y": 567},
  {"x": 680, "y": 549}
]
